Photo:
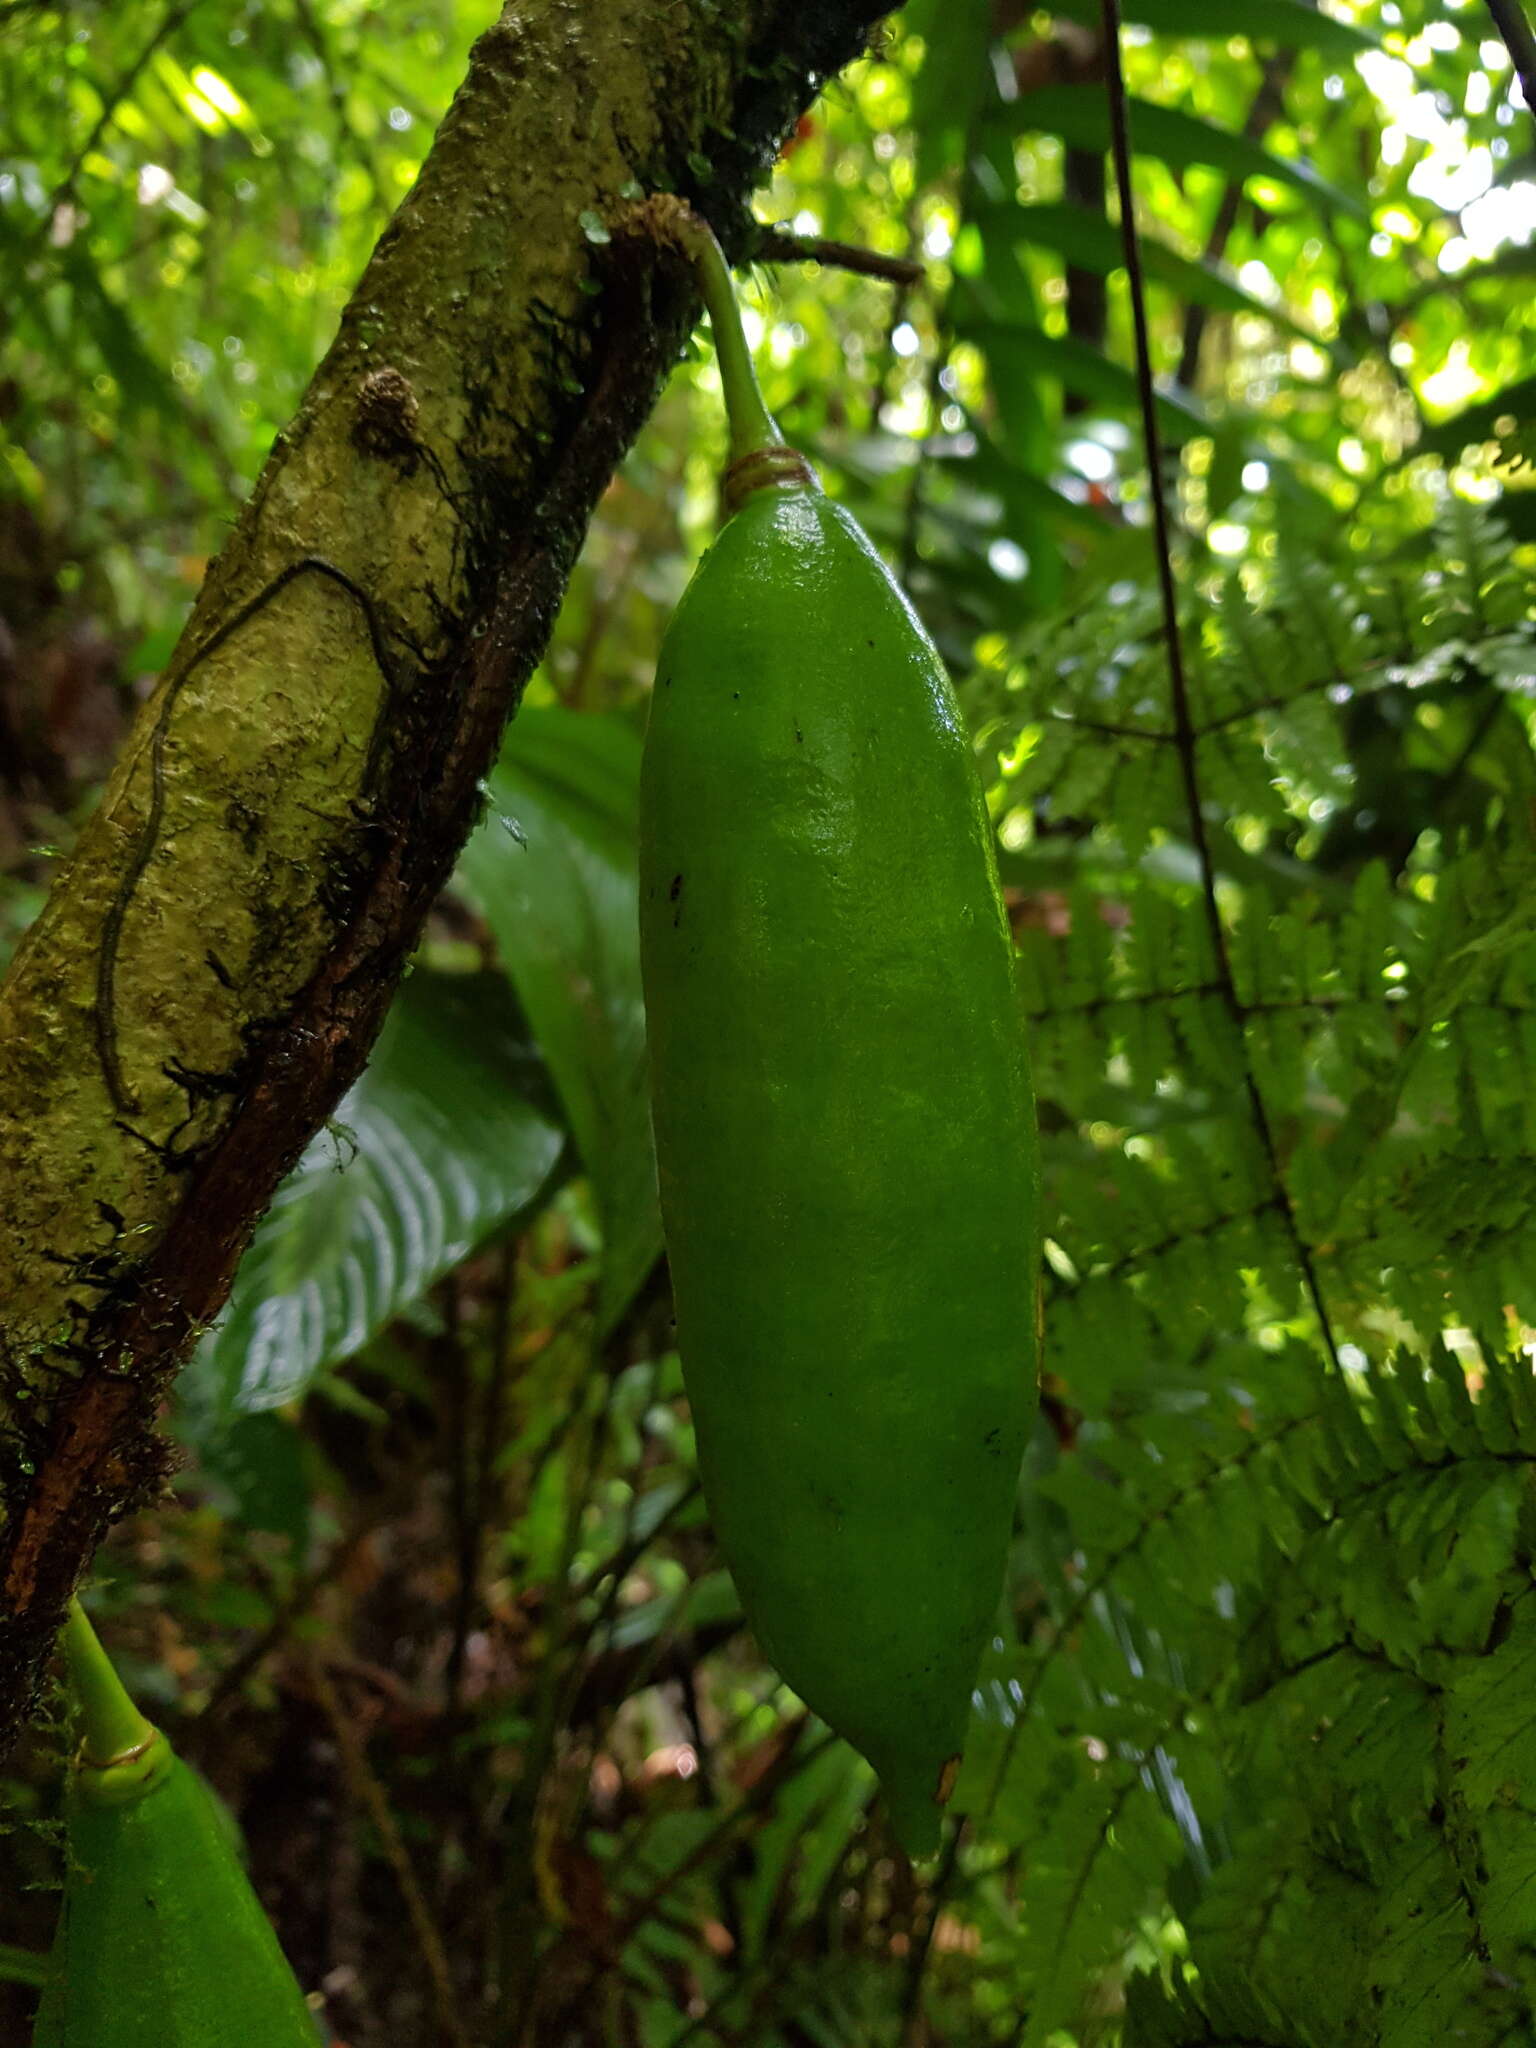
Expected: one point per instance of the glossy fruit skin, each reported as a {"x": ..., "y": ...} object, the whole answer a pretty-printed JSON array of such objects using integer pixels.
[
  {"x": 162, "y": 1943},
  {"x": 844, "y": 1128}
]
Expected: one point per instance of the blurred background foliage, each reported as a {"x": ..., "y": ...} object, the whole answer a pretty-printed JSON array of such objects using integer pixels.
[{"x": 435, "y": 1603}]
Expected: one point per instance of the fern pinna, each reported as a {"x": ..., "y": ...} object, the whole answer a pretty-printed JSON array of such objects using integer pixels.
[{"x": 1262, "y": 1742}]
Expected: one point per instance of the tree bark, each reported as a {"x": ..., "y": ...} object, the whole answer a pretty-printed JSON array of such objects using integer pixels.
[{"x": 209, "y": 972}]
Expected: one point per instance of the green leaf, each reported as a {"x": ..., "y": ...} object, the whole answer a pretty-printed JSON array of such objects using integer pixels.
[
  {"x": 22, "y": 1965},
  {"x": 438, "y": 1144},
  {"x": 803, "y": 1841},
  {"x": 553, "y": 872},
  {"x": 146, "y": 387},
  {"x": 1091, "y": 242},
  {"x": 1079, "y": 114},
  {"x": 1519, "y": 260},
  {"x": 948, "y": 89},
  {"x": 1031, "y": 352},
  {"x": 1479, "y": 422},
  {"x": 259, "y": 1460},
  {"x": 1026, "y": 500},
  {"x": 1293, "y": 24}
]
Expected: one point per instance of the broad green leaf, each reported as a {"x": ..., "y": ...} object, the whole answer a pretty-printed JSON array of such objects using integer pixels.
[
  {"x": 1224, "y": 478},
  {"x": 259, "y": 1459},
  {"x": 1031, "y": 352},
  {"x": 145, "y": 385},
  {"x": 1079, "y": 114},
  {"x": 952, "y": 81},
  {"x": 988, "y": 470},
  {"x": 1023, "y": 416},
  {"x": 1093, "y": 243},
  {"x": 804, "y": 1839},
  {"x": 1026, "y": 500},
  {"x": 710, "y": 1602},
  {"x": 438, "y": 1144},
  {"x": 553, "y": 871},
  {"x": 1293, "y": 24}
]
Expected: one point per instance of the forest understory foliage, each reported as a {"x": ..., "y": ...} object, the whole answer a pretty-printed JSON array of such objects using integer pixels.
[{"x": 433, "y": 1597}]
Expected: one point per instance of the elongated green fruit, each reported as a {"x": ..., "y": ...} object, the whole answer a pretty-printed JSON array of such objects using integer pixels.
[
  {"x": 842, "y": 1108},
  {"x": 161, "y": 1942}
]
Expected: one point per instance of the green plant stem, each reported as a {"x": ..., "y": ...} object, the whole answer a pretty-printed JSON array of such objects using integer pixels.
[
  {"x": 114, "y": 1728},
  {"x": 752, "y": 425},
  {"x": 22, "y": 1965}
]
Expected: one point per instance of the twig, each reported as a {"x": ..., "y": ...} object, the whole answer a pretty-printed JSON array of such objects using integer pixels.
[
  {"x": 369, "y": 1794},
  {"x": 779, "y": 245},
  {"x": 1184, "y": 724},
  {"x": 1520, "y": 41}
]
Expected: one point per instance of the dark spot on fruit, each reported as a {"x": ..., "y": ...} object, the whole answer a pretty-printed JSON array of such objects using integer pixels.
[
  {"x": 869, "y": 643},
  {"x": 676, "y": 889},
  {"x": 666, "y": 682},
  {"x": 799, "y": 736}
]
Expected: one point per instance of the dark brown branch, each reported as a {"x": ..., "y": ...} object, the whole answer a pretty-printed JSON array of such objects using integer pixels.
[
  {"x": 1520, "y": 41},
  {"x": 778, "y": 245}
]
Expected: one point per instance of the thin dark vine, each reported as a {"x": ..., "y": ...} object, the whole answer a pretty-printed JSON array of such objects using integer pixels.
[{"x": 1184, "y": 723}]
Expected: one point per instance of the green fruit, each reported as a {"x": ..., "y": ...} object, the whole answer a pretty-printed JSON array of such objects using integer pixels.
[
  {"x": 844, "y": 1123},
  {"x": 161, "y": 1942}
]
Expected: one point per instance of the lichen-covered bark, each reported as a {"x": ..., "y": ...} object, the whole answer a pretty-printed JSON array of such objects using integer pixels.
[{"x": 208, "y": 974}]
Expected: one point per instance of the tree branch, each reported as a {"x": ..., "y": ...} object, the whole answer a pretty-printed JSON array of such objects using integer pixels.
[
  {"x": 778, "y": 245},
  {"x": 210, "y": 971},
  {"x": 1509, "y": 18}
]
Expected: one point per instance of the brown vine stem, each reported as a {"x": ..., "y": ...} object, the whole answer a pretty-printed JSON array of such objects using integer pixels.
[
  {"x": 1183, "y": 720},
  {"x": 779, "y": 245}
]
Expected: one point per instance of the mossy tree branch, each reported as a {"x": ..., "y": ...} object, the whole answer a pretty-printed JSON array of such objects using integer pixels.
[{"x": 210, "y": 971}]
